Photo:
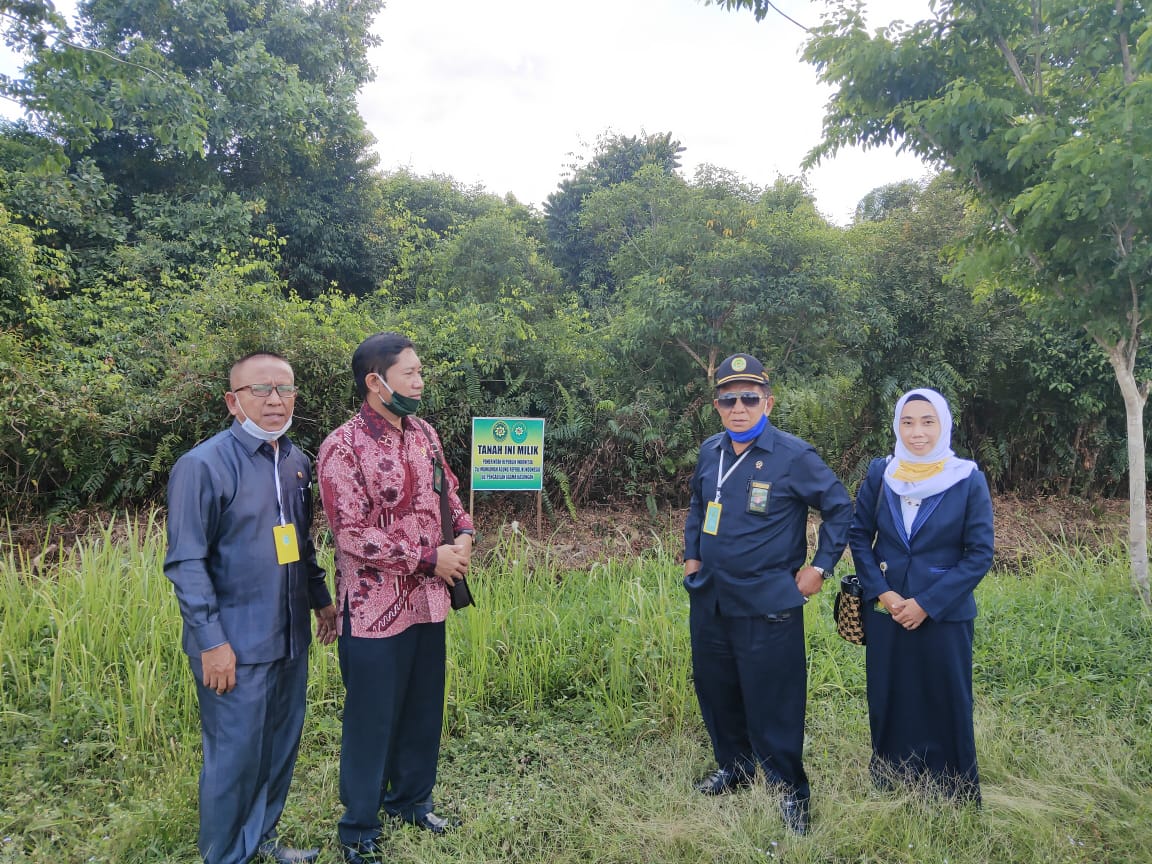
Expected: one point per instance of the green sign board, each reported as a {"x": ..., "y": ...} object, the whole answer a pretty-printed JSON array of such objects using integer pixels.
[{"x": 508, "y": 453}]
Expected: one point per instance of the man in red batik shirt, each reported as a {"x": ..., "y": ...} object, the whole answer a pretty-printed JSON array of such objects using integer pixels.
[{"x": 379, "y": 476}]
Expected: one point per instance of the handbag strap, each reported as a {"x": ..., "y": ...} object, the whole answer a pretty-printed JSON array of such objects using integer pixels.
[{"x": 880, "y": 489}]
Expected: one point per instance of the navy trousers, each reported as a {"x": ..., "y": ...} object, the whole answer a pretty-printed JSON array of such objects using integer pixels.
[
  {"x": 393, "y": 714},
  {"x": 751, "y": 680},
  {"x": 250, "y": 738}
]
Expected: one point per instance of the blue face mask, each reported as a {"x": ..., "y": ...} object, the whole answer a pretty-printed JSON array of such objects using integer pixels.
[{"x": 749, "y": 434}]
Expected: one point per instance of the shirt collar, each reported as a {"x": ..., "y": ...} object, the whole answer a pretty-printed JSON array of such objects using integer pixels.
[{"x": 376, "y": 423}]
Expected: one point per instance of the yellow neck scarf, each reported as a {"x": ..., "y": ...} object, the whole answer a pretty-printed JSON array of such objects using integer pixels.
[{"x": 913, "y": 472}]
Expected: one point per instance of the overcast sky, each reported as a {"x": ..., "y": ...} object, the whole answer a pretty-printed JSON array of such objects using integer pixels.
[{"x": 505, "y": 93}]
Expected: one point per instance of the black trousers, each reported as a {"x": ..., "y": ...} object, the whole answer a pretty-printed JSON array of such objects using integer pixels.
[
  {"x": 393, "y": 714},
  {"x": 751, "y": 680}
]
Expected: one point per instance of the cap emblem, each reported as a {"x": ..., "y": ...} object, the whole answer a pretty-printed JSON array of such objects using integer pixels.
[{"x": 739, "y": 364}]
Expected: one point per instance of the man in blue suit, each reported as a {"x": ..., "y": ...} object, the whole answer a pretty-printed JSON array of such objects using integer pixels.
[
  {"x": 745, "y": 547},
  {"x": 243, "y": 564}
]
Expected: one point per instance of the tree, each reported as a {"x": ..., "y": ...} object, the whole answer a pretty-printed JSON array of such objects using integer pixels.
[
  {"x": 422, "y": 213},
  {"x": 491, "y": 260},
  {"x": 19, "y": 294},
  {"x": 617, "y": 159},
  {"x": 924, "y": 328},
  {"x": 884, "y": 201},
  {"x": 59, "y": 87},
  {"x": 702, "y": 272},
  {"x": 201, "y": 101},
  {"x": 1042, "y": 108}
]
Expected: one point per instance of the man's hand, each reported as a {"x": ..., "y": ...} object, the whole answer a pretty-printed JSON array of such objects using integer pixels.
[
  {"x": 219, "y": 669},
  {"x": 326, "y": 624},
  {"x": 809, "y": 580},
  {"x": 452, "y": 561},
  {"x": 691, "y": 565},
  {"x": 465, "y": 541}
]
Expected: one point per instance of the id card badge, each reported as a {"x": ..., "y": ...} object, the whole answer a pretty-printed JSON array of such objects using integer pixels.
[
  {"x": 287, "y": 549},
  {"x": 437, "y": 477},
  {"x": 758, "y": 496},
  {"x": 712, "y": 518}
]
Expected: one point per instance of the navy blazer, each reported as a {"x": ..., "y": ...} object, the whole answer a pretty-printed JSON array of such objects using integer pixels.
[
  {"x": 943, "y": 561},
  {"x": 221, "y": 558}
]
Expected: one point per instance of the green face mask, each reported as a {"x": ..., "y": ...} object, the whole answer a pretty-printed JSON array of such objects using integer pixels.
[{"x": 401, "y": 406}]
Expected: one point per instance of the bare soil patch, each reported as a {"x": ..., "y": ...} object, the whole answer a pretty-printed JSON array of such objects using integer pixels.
[{"x": 1025, "y": 528}]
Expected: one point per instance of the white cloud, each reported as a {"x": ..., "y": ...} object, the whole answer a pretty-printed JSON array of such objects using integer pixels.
[{"x": 502, "y": 93}]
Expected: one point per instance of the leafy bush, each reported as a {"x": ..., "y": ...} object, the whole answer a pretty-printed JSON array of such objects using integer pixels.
[{"x": 109, "y": 373}]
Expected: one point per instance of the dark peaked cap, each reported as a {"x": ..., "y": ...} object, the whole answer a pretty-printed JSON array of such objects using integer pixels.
[{"x": 741, "y": 367}]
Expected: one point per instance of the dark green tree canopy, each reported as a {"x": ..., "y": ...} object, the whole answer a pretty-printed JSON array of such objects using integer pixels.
[
  {"x": 192, "y": 182},
  {"x": 245, "y": 98},
  {"x": 617, "y": 159}
]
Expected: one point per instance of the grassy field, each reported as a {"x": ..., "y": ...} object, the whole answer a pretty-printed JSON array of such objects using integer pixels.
[{"x": 572, "y": 730}]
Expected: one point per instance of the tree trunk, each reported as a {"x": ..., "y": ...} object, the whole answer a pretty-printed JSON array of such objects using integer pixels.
[{"x": 1134, "y": 400}]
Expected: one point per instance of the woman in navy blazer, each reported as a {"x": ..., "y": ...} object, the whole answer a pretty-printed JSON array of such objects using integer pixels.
[{"x": 921, "y": 541}]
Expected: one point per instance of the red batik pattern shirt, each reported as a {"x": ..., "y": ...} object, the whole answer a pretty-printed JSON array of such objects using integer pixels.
[{"x": 376, "y": 485}]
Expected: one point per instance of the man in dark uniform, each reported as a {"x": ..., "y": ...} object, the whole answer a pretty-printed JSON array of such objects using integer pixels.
[
  {"x": 244, "y": 568},
  {"x": 745, "y": 546}
]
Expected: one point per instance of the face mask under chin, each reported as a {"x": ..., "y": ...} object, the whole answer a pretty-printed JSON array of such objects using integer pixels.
[
  {"x": 249, "y": 426},
  {"x": 401, "y": 406}
]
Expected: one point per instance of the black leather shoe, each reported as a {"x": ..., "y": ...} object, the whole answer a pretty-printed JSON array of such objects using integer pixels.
[
  {"x": 272, "y": 851},
  {"x": 795, "y": 813},
  {"x": 435, "y": 824},
  {"x": 722, "y": 781},
  {"x": 365, "y": 852}
]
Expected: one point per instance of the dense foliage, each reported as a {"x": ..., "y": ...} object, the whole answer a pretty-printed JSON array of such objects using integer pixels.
[
  {"x": 1034, "y": 107},
  {"x": 154, "y": 226}
]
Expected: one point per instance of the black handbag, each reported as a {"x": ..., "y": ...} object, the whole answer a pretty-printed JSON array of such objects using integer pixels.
[{"x": 459, "y": 591}]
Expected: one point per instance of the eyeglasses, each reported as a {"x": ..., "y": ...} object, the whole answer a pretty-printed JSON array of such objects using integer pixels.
[
  {"x": 263, "y": 391},
  {"x": 748, "y": 399}
]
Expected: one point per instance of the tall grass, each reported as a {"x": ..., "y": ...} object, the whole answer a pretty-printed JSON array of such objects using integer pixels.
[
  {"x": 572, "y": 732},
  {"x": 611, "y": 640}
]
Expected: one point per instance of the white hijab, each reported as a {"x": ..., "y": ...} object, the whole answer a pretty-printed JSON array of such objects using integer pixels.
[{"x": 954, "y": 470}]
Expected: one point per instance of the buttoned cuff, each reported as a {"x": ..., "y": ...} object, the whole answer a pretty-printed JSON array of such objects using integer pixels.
[{"x": 427, "y": 564}]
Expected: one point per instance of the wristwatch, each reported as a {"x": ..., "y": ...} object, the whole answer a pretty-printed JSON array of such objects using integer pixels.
[{"x": 819, "y": 570}]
